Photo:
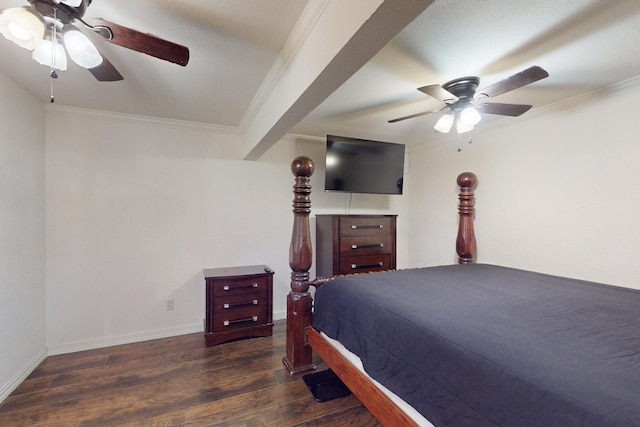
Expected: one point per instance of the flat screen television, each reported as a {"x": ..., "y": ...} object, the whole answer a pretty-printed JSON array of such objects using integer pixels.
[{"x": 363, "y": 166}]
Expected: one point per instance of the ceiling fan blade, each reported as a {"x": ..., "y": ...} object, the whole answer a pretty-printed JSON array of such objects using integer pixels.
[
  {"x": 520, "y": 79},
  {"x": 141, "y": 42},
  {"x": 439, "y": 93},
  {"x": 106, "y": 72},
  {"x": 512, "y": 110},
  {"x": 424, "y": 113},
  {"x": 399, "y": 119}
]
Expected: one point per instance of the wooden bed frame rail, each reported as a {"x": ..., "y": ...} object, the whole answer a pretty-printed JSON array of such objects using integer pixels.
[{"x": 301, "y": 336}]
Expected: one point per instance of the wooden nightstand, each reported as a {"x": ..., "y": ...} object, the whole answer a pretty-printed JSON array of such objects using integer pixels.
[{"x": 239, "y": 303}]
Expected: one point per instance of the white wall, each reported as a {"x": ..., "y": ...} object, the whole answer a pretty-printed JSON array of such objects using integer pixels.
[
  {"x": 22, "y": 234},
  {"x": 557, "y": 192},
  {"x": 136, "y": 209}
]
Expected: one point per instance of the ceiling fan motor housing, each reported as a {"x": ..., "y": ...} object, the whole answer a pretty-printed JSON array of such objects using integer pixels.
[
  {"x": 63, "y": 12},
  {"x": 463, "y": 87}
]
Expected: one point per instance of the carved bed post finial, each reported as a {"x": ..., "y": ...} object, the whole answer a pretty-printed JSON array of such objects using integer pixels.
[
  {"x": 466, "y": 240},
  {"x": 299, "y": 314}
]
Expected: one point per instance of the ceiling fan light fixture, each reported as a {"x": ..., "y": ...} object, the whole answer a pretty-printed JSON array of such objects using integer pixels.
[
  {"x": 444, "y": 123},
  {"x": 81, "y": 50},
  {"x": 470, "y": 116},
  {"x": 22, "y": 26},
  {"x": 463, "y": 127},
  {"x": 72, "y": 3},
  {"x": 50, "y": 53}
]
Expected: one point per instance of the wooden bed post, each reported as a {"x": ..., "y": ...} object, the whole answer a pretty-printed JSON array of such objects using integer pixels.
[
  {"x": 299, "y": 314},
  {"x": 466, "y": 240}
]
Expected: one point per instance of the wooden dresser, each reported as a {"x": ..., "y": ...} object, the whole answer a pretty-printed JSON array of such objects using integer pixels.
[
  {"x": 239, "y": 303},
  {"x": 347, "y": 244}
]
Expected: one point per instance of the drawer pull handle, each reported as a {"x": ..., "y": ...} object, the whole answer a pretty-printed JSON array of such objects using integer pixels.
[
  {"x": 374, "y": 245},
  {"x": 240, "y": 304},
  {"x": 230, "y": 288},
  {"x": 233, "y": 322},
  {"x": 373, "y": 264},
  {"x": 355, "y": 226}
]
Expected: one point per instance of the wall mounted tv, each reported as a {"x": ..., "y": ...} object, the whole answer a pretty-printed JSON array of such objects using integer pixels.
[{"x": 363, "y": 166}]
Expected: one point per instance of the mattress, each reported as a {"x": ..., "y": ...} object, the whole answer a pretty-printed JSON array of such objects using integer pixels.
[{"x": 483, "y": 345}]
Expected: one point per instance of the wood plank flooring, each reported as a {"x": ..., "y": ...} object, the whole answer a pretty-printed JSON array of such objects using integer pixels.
[{"x": 174, "y": 382}]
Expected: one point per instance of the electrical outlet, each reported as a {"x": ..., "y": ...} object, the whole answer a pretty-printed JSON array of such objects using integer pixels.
[{"x": 169, "y": 304}]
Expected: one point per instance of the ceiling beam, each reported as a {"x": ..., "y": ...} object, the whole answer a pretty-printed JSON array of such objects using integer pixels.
[{"x": 343, "y": 39}]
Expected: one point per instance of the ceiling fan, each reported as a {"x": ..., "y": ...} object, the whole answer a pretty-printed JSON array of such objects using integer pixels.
[
  {"x": 45, "y": 26},
  {"x": 465, "y": 102}
]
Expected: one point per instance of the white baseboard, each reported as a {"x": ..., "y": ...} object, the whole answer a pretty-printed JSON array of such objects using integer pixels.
[
  {"x": 135, "y": 337},
  {"x": 124, "y": 339},
  {"x": 14, "y": 382}
]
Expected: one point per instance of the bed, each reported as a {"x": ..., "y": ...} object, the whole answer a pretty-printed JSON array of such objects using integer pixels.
[{"x": 467, "y": 344}]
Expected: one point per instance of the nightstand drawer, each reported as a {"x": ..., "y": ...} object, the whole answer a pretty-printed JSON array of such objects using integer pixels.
[
  {"x": 232, "y": 303},
  {"x": 239, "y": 286},
  {"x": 239, "y": 318},
  {"x": 365, "y": 226},
  {"x": 365, "y": 245},
  {"x": 363, "y": 264}
]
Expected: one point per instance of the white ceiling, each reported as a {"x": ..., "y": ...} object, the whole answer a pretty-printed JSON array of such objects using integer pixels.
[
  {"x": 585, "y": 45},
  {"x": 233, "y": 45}
]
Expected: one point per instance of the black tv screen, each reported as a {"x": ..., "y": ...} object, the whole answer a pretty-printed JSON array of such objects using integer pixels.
[{"x": 363, "y": 166}]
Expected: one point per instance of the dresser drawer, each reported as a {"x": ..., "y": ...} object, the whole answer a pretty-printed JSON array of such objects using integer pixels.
[
  {"x": 365, "y": 245},
  {"x": 240, "y": 286},
  {"x": 365, "y": 226},
  {"x": 366, "y": 263}
]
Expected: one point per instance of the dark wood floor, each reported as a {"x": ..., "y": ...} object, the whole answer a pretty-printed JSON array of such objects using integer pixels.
[{"x": 173, "y": 382}]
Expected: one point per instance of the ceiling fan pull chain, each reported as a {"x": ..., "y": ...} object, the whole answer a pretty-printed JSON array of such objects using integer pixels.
[
  {"x": 53, "y": 40},
  {"x": 53, "y": 74}
]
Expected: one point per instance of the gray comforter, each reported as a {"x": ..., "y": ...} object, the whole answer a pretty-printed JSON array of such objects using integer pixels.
[{"x": 482, "y": 345}]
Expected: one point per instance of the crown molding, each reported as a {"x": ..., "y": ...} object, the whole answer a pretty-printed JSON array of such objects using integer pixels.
[
  {"x": 590, "y": 96},
  {"x": 53, "y": 110},
  {"x": 594, "y": 95}
]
